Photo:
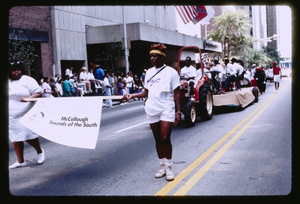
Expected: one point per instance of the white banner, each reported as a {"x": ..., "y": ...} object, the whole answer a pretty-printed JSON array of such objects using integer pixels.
[{"x": 67, "y": 120}]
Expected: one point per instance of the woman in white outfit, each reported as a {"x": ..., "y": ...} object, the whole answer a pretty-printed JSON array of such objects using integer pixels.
[
  {"x": 161, "y": 87},
  {"x": 83, "y": 78},
  {"x": 20, "y": 88},
  {"x": 47, "y": 92}
]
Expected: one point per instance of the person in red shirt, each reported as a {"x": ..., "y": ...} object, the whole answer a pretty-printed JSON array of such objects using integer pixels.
[{"x": 277, "y": 75}]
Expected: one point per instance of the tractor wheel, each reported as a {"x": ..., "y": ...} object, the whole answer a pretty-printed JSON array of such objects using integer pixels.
[
  {"x": 190, "y": 114},
  {"x": 205, "y": 102}
]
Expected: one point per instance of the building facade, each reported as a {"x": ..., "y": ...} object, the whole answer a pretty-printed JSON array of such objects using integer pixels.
[
  {"x": 34, "y": 22},
  {"x": 272, "y": 25},
  {"x": 77, "y": 34}
]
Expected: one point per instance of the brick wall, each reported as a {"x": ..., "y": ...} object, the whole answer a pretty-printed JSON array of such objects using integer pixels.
[{"x": 35, "y": 18}]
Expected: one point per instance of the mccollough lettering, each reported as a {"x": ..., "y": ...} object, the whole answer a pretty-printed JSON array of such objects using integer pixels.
[{"x": 72, "y": 119}]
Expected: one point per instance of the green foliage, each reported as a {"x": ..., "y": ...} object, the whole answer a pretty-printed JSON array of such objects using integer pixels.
[
  {"x": 231, "y": 29},
  {"x": 263, "y": 57},
  {"x": 21, "y": 50},
  {"x": 272, "y": 53},
  {"x": 112, "y": 55},
  {"x": 258, "y": 57}
]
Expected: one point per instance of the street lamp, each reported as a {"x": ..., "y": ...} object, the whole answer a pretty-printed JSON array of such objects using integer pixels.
[{"x": 268, "y": 39}]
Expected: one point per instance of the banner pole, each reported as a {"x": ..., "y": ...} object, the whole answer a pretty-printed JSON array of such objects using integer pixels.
[{"x": 96, "y": 97}]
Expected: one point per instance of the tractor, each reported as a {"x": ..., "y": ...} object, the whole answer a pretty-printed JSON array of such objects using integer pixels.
[{"x": 196, "y": 98}]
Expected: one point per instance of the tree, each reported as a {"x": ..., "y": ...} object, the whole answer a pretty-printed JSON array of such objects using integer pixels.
[
  {"x": 258, "y": 57},
  {"x": 272, "y": 53},
  {"x": 230, "y": 29},
  {"x": 21, "y": 50},
  {"x": 112, "y": 55}
]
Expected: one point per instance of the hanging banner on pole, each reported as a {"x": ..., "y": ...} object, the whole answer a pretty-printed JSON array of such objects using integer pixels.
[{"x": 67, "y": 120}]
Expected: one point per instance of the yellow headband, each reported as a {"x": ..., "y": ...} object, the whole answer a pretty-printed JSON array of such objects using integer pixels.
[{"x": 158, "y": 52}]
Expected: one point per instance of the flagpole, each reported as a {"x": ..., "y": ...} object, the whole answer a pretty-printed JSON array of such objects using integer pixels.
[{"x": 125, "y": 41}]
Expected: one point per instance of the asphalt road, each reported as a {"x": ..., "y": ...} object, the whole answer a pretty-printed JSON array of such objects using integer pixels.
[{"x": 238, "y": 152}]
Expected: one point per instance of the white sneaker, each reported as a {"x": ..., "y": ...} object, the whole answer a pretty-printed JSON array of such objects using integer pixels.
[
  {"x": 161, "y": 172},
  {"x": 169, "y": 173},
  {"x": 41, "y": 157},
  {"x": 17, "y": 165}
]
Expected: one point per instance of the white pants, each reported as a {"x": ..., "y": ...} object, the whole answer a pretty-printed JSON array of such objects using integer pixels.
[{"x": 277, "y": 78}]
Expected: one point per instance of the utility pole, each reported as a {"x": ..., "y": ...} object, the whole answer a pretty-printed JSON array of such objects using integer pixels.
[{"x": 125, "y": 41}]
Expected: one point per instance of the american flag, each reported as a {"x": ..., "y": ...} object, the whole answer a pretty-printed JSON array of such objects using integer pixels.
[{"x": 191, "y": 13}]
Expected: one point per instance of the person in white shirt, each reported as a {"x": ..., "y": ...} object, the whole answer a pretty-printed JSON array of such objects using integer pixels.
[
  {"x": 59, "y": 86},
  {"x": 206, "y": 72},
  {"x": 252, "y": 71},
  {"x": 95, "y": 84},
  {"x": 270, "y": 74},
  {"x": 231, "y": 75},
  {"x": 216, "y": 78},
  {"x": 128, "y": 81},
  {"x": 238, "y": 66},
  {"x": 162, "y": 85},
  {"x": 69, "y": 72},
  {"x": 91, "y": 77},
  {"x": 190, "y": 72},
  {"x": 47, "y": 93},
  {"x": 83, "y": 78},
  {"x": 21, "y": 87},
  {"x": 76, "y": 91},
  {"x": 107, "y": 91},
  {"x": 239, "y": 70}
]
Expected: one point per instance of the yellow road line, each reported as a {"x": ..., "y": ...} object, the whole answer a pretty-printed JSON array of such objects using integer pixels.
[
  {"x": 198, "y": 175},
  {"x": 167, "y": 188}
]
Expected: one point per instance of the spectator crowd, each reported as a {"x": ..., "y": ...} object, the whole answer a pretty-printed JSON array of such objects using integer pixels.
[{"x": 91, "y": 83}]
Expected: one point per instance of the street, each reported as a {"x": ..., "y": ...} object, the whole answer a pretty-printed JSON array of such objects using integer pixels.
[{"x": 237, "y": 152}]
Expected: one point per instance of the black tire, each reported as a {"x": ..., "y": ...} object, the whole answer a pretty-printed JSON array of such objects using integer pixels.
[
  {"x": 205, "y": 108},
  {"x": 255, "y": 93},
  {"x": 190, "y": 114}
]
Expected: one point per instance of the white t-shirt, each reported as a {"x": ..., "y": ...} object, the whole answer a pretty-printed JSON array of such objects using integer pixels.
[
  {"x": 59, "y": 88},
  {"x": 199, "y": 74},
  {"x": 189, "y": 71},
  {"x": 218, "y": 68},
  {"x": 230, "y": 69},
  {"x": 83, "y": 76},
  {"x": 47, "y": 90},
  {"x": 23, "y": 87},
  {"x": 128, "y": 81},
  {"x": 90, "y": 76},
  {"x": 239, "y": 69},
  {"x": 160, "y": 89},
  {"x": 270, "y": 72},
  {"x": 106, "y": 82},
  {"x": 69, "y": 72}
]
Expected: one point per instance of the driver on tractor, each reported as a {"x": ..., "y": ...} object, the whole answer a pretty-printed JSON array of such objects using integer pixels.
[{"x": 189, "y": 73}]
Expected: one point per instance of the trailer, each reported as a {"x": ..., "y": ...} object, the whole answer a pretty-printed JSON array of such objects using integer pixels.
[{"x": 199, "y": 98}]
